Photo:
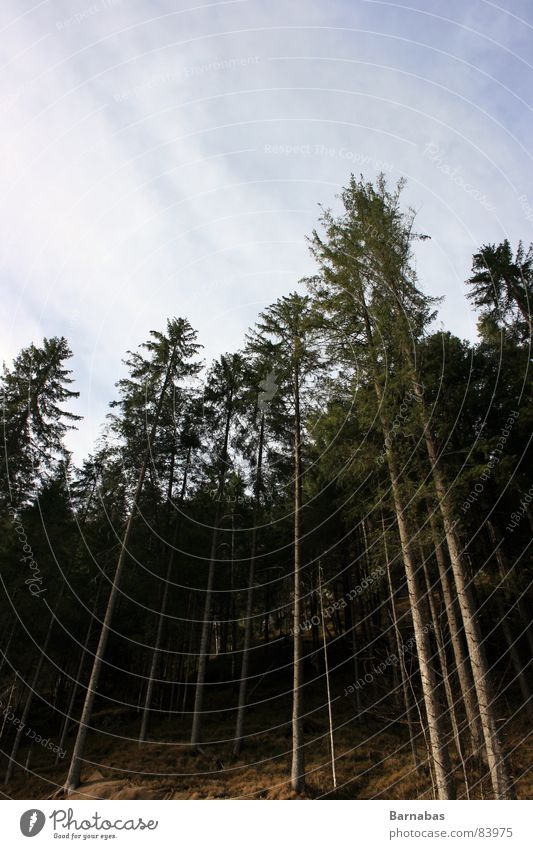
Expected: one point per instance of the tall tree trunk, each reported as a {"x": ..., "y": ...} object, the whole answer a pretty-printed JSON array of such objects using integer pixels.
[
  {"x": 266, "y": 620},
  {"x": 441, "y": 651},
  {"x": 162, "y": 612},
  {"x": 462, "y": 662},
  {"x": 74, "y": 773},
  {"x": 389, "y": 631},
  {"x": 439, "y": 749},
  {"x": 196, "y": 732},
  {"x": 187, "y": 661},
  {"x": 399, "y": 649},
  {"x": 205, "y": 639},
  {"x": 501, "y": 783},
  {"x": 326, "y": 671},
  {"x": 239, "y": 727},
  {"x": 298, "y": 760},
  {"x": 77, "y": 678},
  {"x": 355, "y": 603},
  {"x": 313, "y": 615}
]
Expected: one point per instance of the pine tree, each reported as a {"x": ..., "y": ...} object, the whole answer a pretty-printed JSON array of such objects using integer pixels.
[
  {"x": 287, "y": 333},
  {"x": 34, "y": 422},
  {"x": 221, "y": 403},
  {"x": 170, "y": 358},
  {"x": 352, "y": 289},
  {"x": 501, "y": 286}
]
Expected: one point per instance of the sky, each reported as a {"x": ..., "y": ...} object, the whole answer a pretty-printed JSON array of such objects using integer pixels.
[{"x": 167, "y": 158}]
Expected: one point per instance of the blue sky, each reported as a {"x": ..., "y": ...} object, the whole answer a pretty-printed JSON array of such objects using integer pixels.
[{"x": 167, "y": 159}]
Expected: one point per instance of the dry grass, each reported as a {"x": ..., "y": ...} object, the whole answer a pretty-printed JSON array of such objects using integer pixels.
[{"x": 373, "y": 760}]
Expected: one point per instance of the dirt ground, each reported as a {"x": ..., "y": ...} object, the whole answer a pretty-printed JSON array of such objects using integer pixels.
[{"x": 373, "y": 760}]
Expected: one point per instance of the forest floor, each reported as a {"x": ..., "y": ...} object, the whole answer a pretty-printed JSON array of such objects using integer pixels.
[{"x": 373, "y": 755}]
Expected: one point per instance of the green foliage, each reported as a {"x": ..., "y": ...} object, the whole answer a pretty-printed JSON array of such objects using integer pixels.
[
  {"x": 501, "y": 287},
  {"x": 34, "y": 421}
]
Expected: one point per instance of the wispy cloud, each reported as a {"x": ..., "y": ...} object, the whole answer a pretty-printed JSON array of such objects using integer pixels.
[{"x": 138, "y": 172}]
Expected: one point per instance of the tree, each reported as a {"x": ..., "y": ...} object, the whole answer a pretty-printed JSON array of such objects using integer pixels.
[
  {"x": 257, "y": 490},
  {"x": 221, "y": 401},
  {"x": 58, "y": 492},
  {"x": 397, "y": 303},
  {"x": 34, "y": 422},
  {"x": 501, "y": 285},
  {"x": 356, "y": 258},
  {"x": 188, "y": 443},
  {"x": 287, "y": 333},
  {"x": 169, "y": 359}
]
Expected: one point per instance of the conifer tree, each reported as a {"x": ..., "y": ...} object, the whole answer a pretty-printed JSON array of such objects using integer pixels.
[
  {"x": 170, "y": 357},
  {"x": 287, "y": 333},
  {"x": 34, "y": 421}
]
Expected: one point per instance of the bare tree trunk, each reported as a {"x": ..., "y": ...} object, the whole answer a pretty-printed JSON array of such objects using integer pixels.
[
  {"x": 298, "y": 765},
  {"x": 439, "y": 749},
  {"x": 326, "y": 669},
  {"x": 462, "y": 662},
  {"x": 196, "y": 732},
  {"x": 266, "y": 620},
  {"x": 232, "y": 626},
  {"x": 391, "y": 647},
  {"x": 314, "y": 618},
  {"x": 501, "y": 783},
  {"x": 28, "y": 758},
  {"x": 162, "y": 612},
  {"x": 239, "y": 727},
  {"x": 441, "y": 651},
  {"x": 353, "y": 602},
  {"x": 74, "y": 774},
  {"x": 187, "y": 661},
  {"x": 77, "y": 678},
  {"x": 399, "y": 649},
  {"x": 156, "y": 651}
]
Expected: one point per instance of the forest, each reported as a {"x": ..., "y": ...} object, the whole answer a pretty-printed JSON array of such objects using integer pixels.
[{"x": 301, "y": 571}]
